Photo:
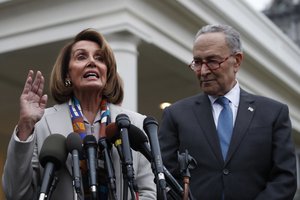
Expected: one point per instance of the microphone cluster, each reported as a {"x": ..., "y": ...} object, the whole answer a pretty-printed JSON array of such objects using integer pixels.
[{"x": 124, "y": 136}]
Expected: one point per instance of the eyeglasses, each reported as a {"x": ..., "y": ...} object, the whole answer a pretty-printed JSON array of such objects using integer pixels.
[{"x": 196, "y": 64}]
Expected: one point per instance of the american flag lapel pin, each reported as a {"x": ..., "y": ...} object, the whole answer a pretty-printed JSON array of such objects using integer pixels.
[{"x": 250, "y": 109}]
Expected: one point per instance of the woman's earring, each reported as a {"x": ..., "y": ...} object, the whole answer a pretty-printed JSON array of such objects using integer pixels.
[{"x": 68, "y": 83}]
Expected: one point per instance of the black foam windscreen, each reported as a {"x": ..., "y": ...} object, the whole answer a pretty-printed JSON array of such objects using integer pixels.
[
  {"x": 74, "y": 141},
  {"x": 136, "y": 137},
  {"x": 54, "y": 150}
]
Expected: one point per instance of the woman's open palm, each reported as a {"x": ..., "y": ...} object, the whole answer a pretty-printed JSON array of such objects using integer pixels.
[{"x": 32, "y": 100}]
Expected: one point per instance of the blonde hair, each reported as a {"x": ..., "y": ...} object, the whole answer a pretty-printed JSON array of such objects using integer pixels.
[{"x": 113, "y": 90}]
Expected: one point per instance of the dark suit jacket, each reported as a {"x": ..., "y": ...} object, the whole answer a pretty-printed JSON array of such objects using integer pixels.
[{"x": 260, "y": 163}]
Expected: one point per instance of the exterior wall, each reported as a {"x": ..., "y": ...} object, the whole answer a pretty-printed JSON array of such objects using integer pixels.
[{"x": 163, "y": 33}]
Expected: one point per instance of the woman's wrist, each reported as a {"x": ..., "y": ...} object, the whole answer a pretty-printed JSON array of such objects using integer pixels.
[{"x": 24, "y": 130}]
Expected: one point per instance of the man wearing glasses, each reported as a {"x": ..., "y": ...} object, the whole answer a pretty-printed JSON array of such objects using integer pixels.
[{"x": 240, "y": 141}]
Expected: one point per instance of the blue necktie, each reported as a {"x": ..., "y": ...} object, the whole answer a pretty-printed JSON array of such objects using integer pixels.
[{"x": 225, "y": 125}]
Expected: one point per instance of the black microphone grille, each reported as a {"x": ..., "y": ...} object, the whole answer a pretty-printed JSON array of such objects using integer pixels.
[
  {"x": 150, "y": 120},
  {"x": 54, "y": 150},
  {"x": 122, "y": 121},
  {"x": 74, "y": 142},
  {"x": 136, "y": 137},
  {"x": 89, "y": 140}
]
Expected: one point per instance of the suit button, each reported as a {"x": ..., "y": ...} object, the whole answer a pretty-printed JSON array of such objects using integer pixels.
[{"x": 225, "y": 171}]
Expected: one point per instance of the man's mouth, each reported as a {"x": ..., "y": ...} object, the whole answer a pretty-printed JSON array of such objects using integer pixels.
[{"x": 207, "y": 80}]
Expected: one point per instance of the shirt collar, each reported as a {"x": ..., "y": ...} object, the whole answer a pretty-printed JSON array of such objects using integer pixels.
[{"x": 233, "y": 95}]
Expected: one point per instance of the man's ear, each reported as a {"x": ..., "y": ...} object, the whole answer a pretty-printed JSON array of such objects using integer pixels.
[{"x": 238, "y": 61}]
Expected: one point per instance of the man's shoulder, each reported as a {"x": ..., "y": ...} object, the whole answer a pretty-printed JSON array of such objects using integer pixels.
[
  {"x": 261, "y": 99},
  {"x": 191, "y": 100}
]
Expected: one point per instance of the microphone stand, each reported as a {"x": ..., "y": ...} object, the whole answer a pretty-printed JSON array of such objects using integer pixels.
[
  {"x": 128, "y": 177},
  {"x": 128, "y": 183},
  {"x": 174, "y": 189},
  {"x": 109, "y": 168},
  {"x": 53, "y": 186},
  {"x": 125, "y": 184},
  {"x": 51, "y": 189},
  {"x": 186, "y": 162}
]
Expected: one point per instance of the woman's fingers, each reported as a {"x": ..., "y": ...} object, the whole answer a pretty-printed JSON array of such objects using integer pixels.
[
  {"x": 34, "y": 86},
  {"x": 40, "y": 89},
  {"x": 28, "y": 82},
  {"x": 43, "y": 101},
  {"x": 38, "y": 84}
]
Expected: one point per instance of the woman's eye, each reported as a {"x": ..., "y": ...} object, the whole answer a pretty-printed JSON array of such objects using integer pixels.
[
  {"x": 80, "y": 57},
  {"x": 99, "y": 58}
]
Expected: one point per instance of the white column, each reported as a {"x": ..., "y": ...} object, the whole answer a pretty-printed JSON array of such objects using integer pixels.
[{"x": 124, "y": 45}]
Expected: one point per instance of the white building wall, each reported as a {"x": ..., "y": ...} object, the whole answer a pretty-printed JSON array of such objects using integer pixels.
[{"x": 143, "y": 32}]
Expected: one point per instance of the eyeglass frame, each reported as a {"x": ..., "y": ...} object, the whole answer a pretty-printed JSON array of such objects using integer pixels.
[{"x": 206, "y": 64}]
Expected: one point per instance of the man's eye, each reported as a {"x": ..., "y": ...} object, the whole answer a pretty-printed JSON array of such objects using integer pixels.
[
  {"x": 197, "y": 62},
  {"x": 213, "y": 62}
]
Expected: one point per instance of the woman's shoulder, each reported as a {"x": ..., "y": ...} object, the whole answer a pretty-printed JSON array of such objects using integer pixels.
[
  {"x": 134, "y": 117},
  {"x": 55, "y": 108}
]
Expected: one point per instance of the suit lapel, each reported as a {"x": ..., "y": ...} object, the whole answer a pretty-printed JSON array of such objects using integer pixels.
[
  {"x": 60, "y": 122},
  {"x": 203, "y": 113},
  {"x": 244, "y": 117}
]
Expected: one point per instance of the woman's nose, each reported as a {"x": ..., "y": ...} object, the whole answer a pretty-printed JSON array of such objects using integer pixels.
[{"x": 91, "y": 62}]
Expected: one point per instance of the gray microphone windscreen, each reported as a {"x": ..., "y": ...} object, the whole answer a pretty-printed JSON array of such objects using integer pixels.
[
  {"x": 74, "y": 141},
  {"x": 54, "y": 150}
]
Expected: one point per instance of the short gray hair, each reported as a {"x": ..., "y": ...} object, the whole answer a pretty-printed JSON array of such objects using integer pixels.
[{"x": 232, "y": 36}]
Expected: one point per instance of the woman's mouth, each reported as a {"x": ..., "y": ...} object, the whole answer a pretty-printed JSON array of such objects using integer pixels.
[{"x": 91, "y": 74}]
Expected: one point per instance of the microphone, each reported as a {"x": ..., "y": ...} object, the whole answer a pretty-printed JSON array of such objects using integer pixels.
[
  {"x": 90, "y": 148},
  {"x": 139, "y": 142},
  {"x": 151, "y": 127},
  {"x": 123, "y": 123},
  {"x": 52, "y": 157},
  {"x": 104, "y": 149},
  {"x": 113, "y": 136},
  {"x": 74, "y": 147}
]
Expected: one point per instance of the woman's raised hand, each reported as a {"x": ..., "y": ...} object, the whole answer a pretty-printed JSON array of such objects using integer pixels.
[{"x": 32, "y": 104}]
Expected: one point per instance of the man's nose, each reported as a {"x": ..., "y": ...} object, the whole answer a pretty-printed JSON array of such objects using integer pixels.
[{"x": 204, "y": 69}]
